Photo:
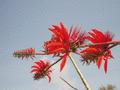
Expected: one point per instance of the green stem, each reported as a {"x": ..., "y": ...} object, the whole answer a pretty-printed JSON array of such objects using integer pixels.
[{"x": 79, "y": 73}]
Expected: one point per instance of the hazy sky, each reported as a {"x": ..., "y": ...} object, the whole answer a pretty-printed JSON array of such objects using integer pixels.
[{"x": 24, "y": 24}]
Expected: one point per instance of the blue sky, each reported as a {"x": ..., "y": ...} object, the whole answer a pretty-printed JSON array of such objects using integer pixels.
[{"x": 24, "y": 23}]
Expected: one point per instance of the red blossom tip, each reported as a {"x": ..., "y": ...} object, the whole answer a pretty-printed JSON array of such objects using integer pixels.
[
  {"x": 59, "y": 42},
  {"x": 25, "y": 53}
]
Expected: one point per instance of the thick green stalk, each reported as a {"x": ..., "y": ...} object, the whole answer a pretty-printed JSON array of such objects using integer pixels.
[{"x": 79, "y": 73}]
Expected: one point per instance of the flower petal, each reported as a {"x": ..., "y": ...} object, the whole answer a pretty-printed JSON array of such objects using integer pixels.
[
  {"x": 99, "y": 61},
  {"x": 49, "y": 77},
  {"x": 37, "y": 67},
  {"x": 62, "y": 64},
  {"x": 35, "y": 70},
  {"x": 105, "y": 66}
]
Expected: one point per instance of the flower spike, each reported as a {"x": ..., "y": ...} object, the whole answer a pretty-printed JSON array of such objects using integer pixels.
[
  {"x": 63, "y": 42},
  {"x": 25, "y": 53},
  {"x": 98, "y": 53},
  {"x": 40, "y": 70}
]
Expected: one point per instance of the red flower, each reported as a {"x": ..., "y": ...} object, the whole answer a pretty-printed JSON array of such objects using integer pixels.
[
  {"x": 25, "y": 53},
  {"x": 40, "y": 70},
  {"x": 63, "y": 42},
  {"x": 98, "y": 53}
]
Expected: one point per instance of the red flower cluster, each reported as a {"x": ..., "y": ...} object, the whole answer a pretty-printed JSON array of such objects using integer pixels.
[
  {"x": 63, "y": 42},
  {"x": 25, "y": 53},
  {"x": 100, "y": 52},
  {"x": 41, "y": 69}
]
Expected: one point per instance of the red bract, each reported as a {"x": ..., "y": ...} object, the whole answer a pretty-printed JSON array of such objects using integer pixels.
[
  {"x": 96, "y": 36},
  {"x": 41, "y": 69},
  {"x": 100, "y": 52},
  {"x": 63, "y": 42},
  {"x": 25, "y": 53}
]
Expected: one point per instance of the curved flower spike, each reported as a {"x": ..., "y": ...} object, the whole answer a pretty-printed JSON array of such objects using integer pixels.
[
  {"x": 98, "y": 53},
  {"x": 40, "y": 70}
]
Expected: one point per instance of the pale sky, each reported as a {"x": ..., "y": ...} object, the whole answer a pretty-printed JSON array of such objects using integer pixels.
[{"x": 25, "y": 23}]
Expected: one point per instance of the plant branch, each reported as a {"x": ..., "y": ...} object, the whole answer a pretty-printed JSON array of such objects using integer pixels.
[
  {"x": 97, "y": 44},
  {"x": 112, "y": 46},
  {"x": 86, "y": 45},
  {"x": 79, "y": 73},
  {"x": 68, "y": 83},
  {"x": 39, "y": 53},
  {"x": 53, "y": 64}
]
